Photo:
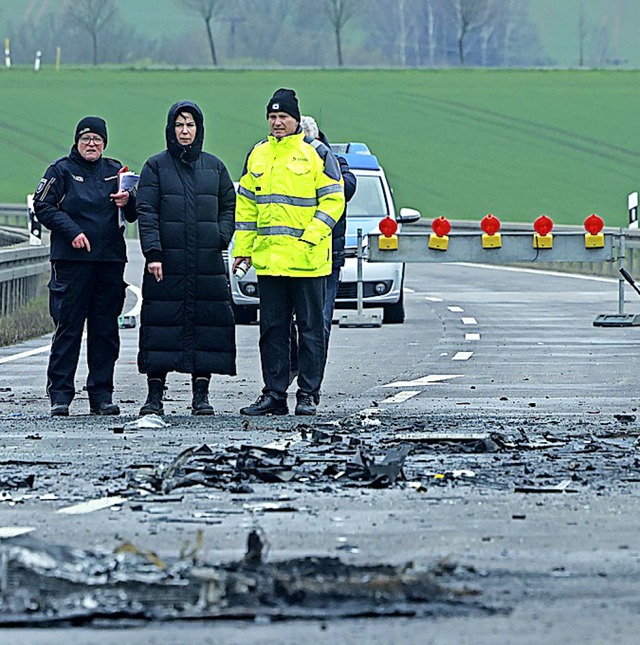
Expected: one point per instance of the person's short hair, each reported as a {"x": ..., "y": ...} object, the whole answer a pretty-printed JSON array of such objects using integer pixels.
[{"x": 309, "y": 126}]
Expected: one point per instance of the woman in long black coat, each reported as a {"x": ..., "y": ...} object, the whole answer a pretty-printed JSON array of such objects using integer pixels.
[{"x": 185, "y": 207}]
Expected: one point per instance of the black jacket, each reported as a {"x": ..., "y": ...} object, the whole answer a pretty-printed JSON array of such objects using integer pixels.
[
  {"x": 340, "y": 229},
  {"x": 73, "y": 198},
  {"x": 339, "y": 232},
  {"x": 186, "y": 204}
]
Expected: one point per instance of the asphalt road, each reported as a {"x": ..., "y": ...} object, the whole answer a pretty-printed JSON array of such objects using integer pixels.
[{"x": 504, "y": 354}]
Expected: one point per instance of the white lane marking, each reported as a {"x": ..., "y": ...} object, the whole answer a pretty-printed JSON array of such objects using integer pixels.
[
  {"x": 283, "y": 444},
  {"x": 455, "y": 309},
  {"x": 401, "y": 397},
  {"x": 431, "y": 379},
  {"x": 557, "y": 274},
  {"x": 14, "y": 531},
  {"x": 134, "y": 311},
  {"x": 472, "y": 336},
  {"x": 92, "y": 505},
  {"x": 409, "y": 290},
  {"x": 469, "y": 321},
  {"x": 30, "y": 352},
  {"x": 462, "y": 356},
  {"x": 432, "y": 299}
]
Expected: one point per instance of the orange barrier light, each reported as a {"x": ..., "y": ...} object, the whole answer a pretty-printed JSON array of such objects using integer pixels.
[
  {"x": 594, "y": 238},
  {"x": 439, "y": 239},
  {"x": 491, "y": 239},
  {"x": 543, "y": 238}
]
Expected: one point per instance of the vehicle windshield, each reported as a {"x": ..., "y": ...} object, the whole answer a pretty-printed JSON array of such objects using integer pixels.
[{"x": 369, "y": 199}]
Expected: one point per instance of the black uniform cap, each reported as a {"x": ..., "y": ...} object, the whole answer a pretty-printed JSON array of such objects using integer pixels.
[
  {"x": 284, "y": 101},
  {"x": 92, "y": 124}
]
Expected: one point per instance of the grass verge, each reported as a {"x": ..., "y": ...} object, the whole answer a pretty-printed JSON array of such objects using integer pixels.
[{"x": 27, "y": 322}]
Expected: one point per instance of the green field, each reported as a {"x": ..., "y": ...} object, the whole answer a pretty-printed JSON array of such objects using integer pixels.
[{"x": 461, "y": 143}]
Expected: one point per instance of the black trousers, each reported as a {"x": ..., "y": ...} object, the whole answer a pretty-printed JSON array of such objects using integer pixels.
[
  {"x": 79, "y": 292},
  {"x": 280, "y": 297}
]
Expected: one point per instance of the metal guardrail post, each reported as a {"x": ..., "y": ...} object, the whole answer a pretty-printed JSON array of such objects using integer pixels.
[{"x": 621, "y": 281}]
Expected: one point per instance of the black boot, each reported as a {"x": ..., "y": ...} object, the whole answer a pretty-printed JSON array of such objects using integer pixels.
[
  {"x": 200, "y": 404},
  {"x": 153, "y": 404}
]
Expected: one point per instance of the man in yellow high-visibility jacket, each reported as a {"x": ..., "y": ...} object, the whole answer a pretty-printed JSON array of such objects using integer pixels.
[{"x": 290, "y": 197}]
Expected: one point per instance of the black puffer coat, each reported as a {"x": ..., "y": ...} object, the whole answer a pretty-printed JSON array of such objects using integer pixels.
[{"x": 185, "y": 207}]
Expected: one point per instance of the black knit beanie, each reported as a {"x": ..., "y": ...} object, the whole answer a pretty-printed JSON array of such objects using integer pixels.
[
  {"x": 284, "y": 101},
  {"x": 94, "y": 125}
]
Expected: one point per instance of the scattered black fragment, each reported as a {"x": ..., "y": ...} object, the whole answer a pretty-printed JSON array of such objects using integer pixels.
[
  {"x": 625, "y": 418},
  {"x": 253, "y": 556},
  {"x": 20, "y": 481},
  {"x": 367, "y": 472},
  {"x": 267, "y": 464}
]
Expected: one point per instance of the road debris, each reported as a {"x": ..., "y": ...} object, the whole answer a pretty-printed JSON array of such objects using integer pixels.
[{"x": 43, "y": 584}]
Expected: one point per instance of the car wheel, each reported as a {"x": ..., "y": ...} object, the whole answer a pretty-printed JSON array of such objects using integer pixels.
[
  {"x": 394, "y": 314},
  {"x": 244, "y": 315}
]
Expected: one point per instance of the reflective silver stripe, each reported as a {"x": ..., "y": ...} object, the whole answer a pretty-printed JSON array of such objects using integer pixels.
[
  {"x": 246, "y": 193},
  {"x": 246, "y": 226},
  {"x": 281, "y": 230},
  {"x": 329, "y": 190},
  {"x": 287, "y": 199},
  {"x": 327, "y": 219}
]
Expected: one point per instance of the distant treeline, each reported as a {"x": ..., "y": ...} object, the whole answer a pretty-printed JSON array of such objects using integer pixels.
[{"x": 325, "y": 33}]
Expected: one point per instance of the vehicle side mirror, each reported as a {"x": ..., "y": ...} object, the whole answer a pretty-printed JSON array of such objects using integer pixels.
[{"x": 408, "y": 216}]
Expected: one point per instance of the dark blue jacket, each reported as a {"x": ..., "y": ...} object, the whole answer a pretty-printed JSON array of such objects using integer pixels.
[
  {"x": 339, "y": 231},
  {"x": 73, "y": 198}
]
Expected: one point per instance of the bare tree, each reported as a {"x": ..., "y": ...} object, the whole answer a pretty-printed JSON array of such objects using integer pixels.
[
  {"x": 206, "y": 9},
  {"x": 470, "y": 14},
  {"x": 489, "y": 25},
  {"x": 92, "y": 16},
  {"x": 582, "y": 32},
  {"x": 339, "y": 13}
]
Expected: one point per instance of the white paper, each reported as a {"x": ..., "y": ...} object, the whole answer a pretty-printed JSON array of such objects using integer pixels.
[{"x": 126, "y": 181}]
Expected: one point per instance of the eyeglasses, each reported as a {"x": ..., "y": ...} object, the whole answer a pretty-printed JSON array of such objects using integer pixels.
[{"x": 86, "y": 140}]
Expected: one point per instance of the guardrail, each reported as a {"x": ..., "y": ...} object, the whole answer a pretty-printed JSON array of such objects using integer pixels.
[
  {"x": 18, "y": 215},
  {"x": 21, "y": 269}
]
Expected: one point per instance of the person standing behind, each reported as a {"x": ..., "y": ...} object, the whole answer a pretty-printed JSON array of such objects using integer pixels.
[
  {"x": 78, "y": 201},
  {"x": 311, "y": 130},
  {"x": 185, "y": 208},
  {"x": 289, "y": 199}
]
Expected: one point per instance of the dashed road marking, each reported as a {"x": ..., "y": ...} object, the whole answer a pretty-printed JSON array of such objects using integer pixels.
[
  {"x": 462, "y": 356},
  {"x": 401, "y": 397},
  {"x": 431, "y": 379},
  {"x": 432, "y": 299},
  {"x": 469, "y": 321},
  {"x": 455, "y": 309},
  {"x": 472, "y": 336}
]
